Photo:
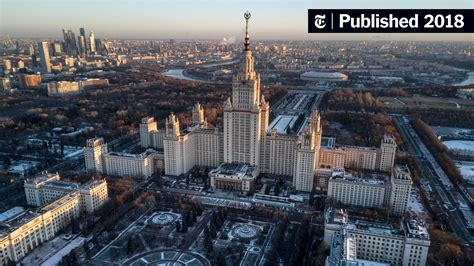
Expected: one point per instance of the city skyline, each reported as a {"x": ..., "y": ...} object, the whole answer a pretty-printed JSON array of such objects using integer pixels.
[{"x": 158, "y": 19}]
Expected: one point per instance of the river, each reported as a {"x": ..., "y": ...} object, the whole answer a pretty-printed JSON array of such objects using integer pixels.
[{"x": 179, "y": 74}]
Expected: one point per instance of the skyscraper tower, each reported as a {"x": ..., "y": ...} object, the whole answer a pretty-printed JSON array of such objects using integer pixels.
[
  {"x": 198, "y": 114},
  {"x": 92, "y": 49},
  {"x": 44, "y": 57},
  {"x": 245, "y": 113},
  {"x": 82, "y": 42},
  {"x": 307, "y": 152},
  {"x": 388, "y": 149},
  {"x": 70, "y": 46},
  {"x": 82, "y": 32}
]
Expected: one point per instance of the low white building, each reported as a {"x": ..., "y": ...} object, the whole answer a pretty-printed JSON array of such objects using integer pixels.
[
  {"x": 374, "y": 191},
  {"x": 59, "y": 203},
  {"x": 133, "y": 165},
  {"x": 234, "y": 177},
  {"x": 28, "y": 230},
  {"x": 99, "y": 159},
  {"x": 351, "y": 190},
  {"x": 48, "y": 187},
  {"x": 372, "y": 242}
]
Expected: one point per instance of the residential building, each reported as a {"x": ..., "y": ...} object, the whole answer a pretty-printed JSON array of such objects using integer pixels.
[
  {"x": 374, "y": 242},
  {"x": 133, "y": 165},
  {"x": 99, "y": 159},
  {"x": 47, "y": 187},
  {"x": 29, "y": 81},
  {"x": 57, "y": 88},
  {"x": 372, "y": 190},
  {"x": 93, "y": 83},
  {"x": 44, "y": 57}
]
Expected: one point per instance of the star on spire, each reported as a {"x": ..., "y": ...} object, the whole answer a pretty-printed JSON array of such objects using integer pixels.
[{"x": 247, "y": 36}]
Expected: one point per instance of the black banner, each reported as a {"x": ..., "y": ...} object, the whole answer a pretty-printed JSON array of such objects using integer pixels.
[{"x": 390, "y": 21}]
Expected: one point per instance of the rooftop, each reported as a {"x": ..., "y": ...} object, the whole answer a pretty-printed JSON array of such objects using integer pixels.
[
  {"x": 338, "y": 216},
  {"x": 374, "y": 228},
  {"x": 235, "y": 169},
  {"x": 57, "y": 203},
  {"x": 281, "y": 123},
  {"x": 131, "y": 155},
  {"x": 148, "y": 119},
  {"x": 21, "y": 219},
  {"x": 415, "y": 229},
  {"x": 11, "y": 214},
  {"x": 44, "y": 177},
  {"x": 344, "y": 252},
  {"x": 359, "y": 148},
  {"x": 328, "y": 142},
  {"x": 61, "y": 185},
  {"x": 92, "y": 183},
  {"x": 409, "y": 229},
  {"x": 371, "y": 179},
  {"x": 402, "y": 169}
]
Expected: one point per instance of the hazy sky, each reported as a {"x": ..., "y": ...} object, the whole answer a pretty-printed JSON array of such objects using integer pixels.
[{"x": 203, "y": 19}]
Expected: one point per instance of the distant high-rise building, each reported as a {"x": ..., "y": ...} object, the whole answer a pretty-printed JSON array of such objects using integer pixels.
[
  {"x": 82, "y": 32},
  {"x": 44, "y": 57},
  {"x": 99, "y": 46},
  {"x": 57, "y": 48},
  {"x": 34, "y": 60},
  {"x": 7, "y": 64},
  {"x": 82, "y": 42},
  {"x": 70, "y": 46},
  {"x": 92, "y": 48},
  {"x": 17, "y": 47},
  {"x": 5, "y": 84},
  {"x": 31, "y": 50}
]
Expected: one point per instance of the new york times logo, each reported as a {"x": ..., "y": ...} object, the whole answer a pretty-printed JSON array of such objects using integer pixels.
[
  {"x": 391, "y": 21},
  {"x": 319, "y": 21}
]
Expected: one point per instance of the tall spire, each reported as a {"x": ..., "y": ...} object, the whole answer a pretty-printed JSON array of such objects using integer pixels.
[{"x": 247, "y": 36}]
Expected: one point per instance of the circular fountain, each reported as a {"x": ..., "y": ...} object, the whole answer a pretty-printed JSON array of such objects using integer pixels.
[
  {"x": 164, "y": 218},
  {"x": 245, "y": 231}
]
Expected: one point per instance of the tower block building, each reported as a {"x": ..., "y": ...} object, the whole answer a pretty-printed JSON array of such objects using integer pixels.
[{"x": 246, "y": 114}]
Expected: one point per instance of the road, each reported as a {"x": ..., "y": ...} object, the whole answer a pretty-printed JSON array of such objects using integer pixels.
[{"x": 433, "y": 172}]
